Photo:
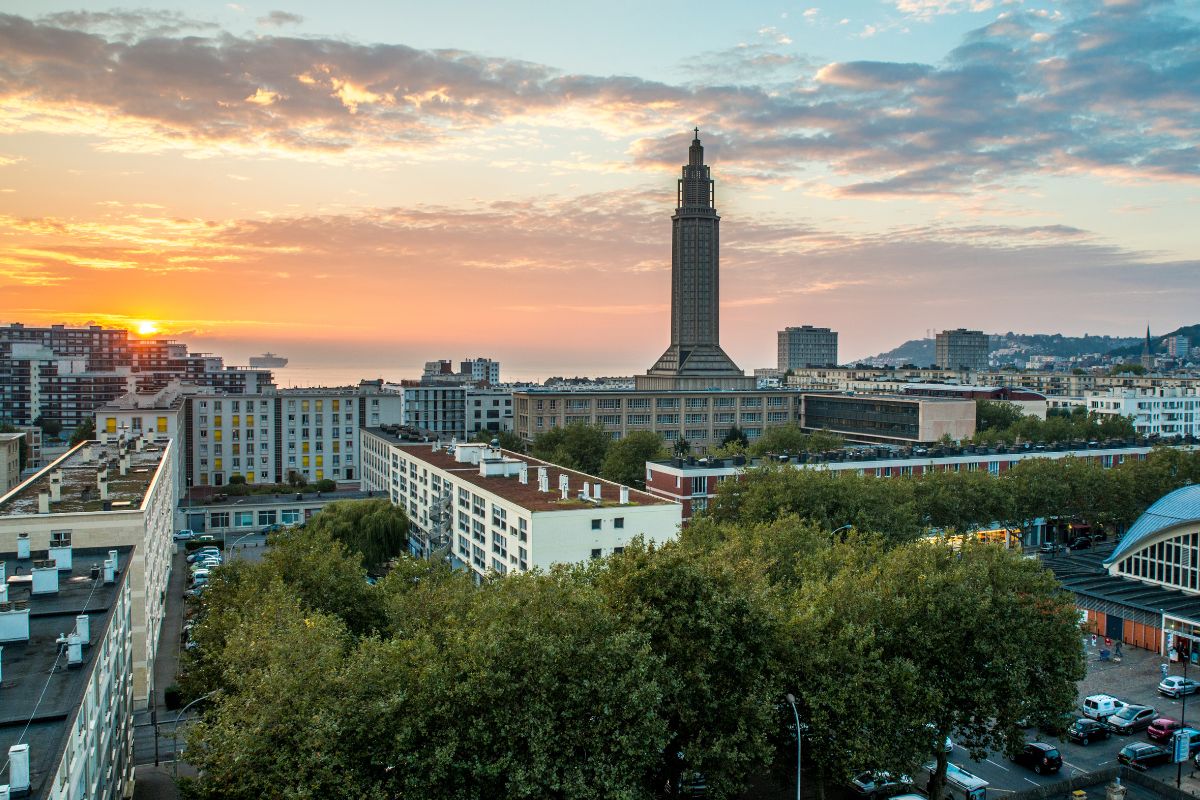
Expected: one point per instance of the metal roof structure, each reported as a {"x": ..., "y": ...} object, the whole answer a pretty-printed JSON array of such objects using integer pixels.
[{"x": 1177, "y": 508}]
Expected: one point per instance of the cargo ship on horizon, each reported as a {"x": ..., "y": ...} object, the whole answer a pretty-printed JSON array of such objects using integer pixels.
[{"x": 268, "y": 360}]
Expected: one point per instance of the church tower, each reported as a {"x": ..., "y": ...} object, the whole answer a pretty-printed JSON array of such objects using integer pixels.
[{"x": 695, "y": 359}]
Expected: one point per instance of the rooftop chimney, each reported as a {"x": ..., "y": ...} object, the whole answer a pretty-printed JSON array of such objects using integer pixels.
[
  {"x": 56, "y": 485},
  {"x": 624, "y": 495},
  {"x": 523, "y": 473},
  {"x": 74, "y": 650},
  {"x": 43, "y": 502},
  {"x": 22, "y": 545},
  {"x": 596, "y": 491},
  {"x": 543, "y": 480},
  {"x": 45, "y": 577},
  {"x": 83, "y": 627},
  {"x": 14, "y": 622},
  {"x": 585, "y": 493},
  {"x": 60, "y": 550},
  {"x": 102, "y": 483},
  {"x": 110, "y": 567},
  {"x": 124, "y": 464},
  {"x": 18, "y": 768}
]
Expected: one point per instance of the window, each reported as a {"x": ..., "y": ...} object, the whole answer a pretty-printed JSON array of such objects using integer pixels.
[
  {"x": 289, "y": 516},
  {"x": 219, "y": 519},
  {"x": 596, "y": 552},
  {"x": 595, "y": 524},
  {"x": 266, "y": 517},
  {"x": 619, "y": 523},
  {"x": 243, "y": 519}
]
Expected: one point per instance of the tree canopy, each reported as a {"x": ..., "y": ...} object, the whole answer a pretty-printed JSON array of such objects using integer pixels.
[
  {"x": 375, "y": 529},
  {"x": 577, "y": 446},
  {"x": 625, "y": 461}
]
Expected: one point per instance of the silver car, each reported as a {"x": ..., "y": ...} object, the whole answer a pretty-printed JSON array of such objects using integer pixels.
[{"x": 1176, "y": 685}]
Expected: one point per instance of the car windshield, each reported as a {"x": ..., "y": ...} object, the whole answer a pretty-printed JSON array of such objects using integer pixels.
[
  {"x": 1127, "y": 713},
  {"x": 1051, "y": 753}
]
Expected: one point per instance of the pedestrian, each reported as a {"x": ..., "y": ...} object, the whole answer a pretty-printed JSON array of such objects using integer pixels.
[
  {"x": 1067, "y": 549},
  {"x": 1118, "y": 648}
]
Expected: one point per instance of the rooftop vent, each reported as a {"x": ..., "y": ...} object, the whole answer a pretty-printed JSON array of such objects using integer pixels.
[
  {"x": 60, "y": 550},
  {"x": 45, "y": 577},
  {"x": 624, "y": 495},
  {"x": 18, "y": 768},
  {"x": 22, "y": 545},
  {"x": 14, "y": 622}
]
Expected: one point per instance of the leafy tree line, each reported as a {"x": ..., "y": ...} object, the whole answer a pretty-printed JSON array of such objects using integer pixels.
[
  {"x": 997, "y": 421},
  {"x": 590, "y": 449},
  {"x": 580, "y": 682},
  {"x": 905, "y": 507}
]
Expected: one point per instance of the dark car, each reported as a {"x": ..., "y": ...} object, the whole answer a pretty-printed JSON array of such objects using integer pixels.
[
  {"x": 1081, "y": 543},
  {"x": 878, "y": 785},
  {"x": 1131, "y": 719},
  {"x": 1084, "y": 730},
  {"x": 1039, "y": 757},
  {"x": 1143, "y": 755}
]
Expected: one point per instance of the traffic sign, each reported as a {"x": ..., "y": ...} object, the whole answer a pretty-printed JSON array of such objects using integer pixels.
[{"x": 1183, "y": 745}]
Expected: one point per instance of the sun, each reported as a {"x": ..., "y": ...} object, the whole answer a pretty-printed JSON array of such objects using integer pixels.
[{"x": 147, "y": 328}]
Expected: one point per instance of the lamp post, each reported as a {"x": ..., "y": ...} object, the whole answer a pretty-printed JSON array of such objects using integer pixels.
[
  {"x": 175, "y": 731},
  {"x": 836, "y": 531},
  {"x": 233, "y": 546},
  {"x": 796, "y": 715}
]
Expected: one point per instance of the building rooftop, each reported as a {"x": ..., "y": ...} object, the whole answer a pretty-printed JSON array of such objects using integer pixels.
[
  {"x": 1083, "y": 572},
  {"x": 8, "y": 437},
  {"x": 650, "y": 392},
  {"x": 526, "y": 495},
  {"x": 258, "y": 500},
  {"x": 78, "y": 469},
  {"x": 41, "y": 694},
  {"x": 1177, "y": 508}
]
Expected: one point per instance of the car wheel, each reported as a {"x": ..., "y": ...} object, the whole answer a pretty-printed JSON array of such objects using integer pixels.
[
  {"x": 1084, "y": 741},
  {"x": 1037, "y": 768}
]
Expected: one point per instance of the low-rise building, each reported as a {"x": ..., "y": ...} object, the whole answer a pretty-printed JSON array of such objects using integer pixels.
[
  {"x": 232, "y": 515},
  {"x": 66, "y": 651},
  {"x": 890, "y": 419},
  {"x": 694, "y": 482},
  {"x": 66, "y": 719},
  {"x": 495, "y": 511},
  {"x": 103, "y": 496},
  {"x": 1166, "y": 412}
]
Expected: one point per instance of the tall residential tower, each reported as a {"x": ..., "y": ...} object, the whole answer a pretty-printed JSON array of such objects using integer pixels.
[{"x": 695, "y": 359}]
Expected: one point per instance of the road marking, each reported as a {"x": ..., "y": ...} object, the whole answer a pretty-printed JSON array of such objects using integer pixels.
[
  {"x": 1035, "y": 783},
  {"x": 1072, "y": 766},
  {"x": 994, "y": 764}
]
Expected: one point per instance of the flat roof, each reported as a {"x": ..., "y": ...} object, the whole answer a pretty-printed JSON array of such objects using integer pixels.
[
  {"x": 40, "y": 691},
  {"x": 79, "y": 488},
  {"x": 654, "y": 392},
  {"x": 525, "y": 495},
  {"x": 282, "y": 499},
  {"x": 899, "y": 398}
]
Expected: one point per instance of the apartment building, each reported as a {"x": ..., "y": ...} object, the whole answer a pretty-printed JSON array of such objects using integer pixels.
[
  {"x": 454, "y": 411},
  {"x": 66, "y": 651},
  {"x": 890, "y": 419},
  {"x": 1169, "y": 413},
  {"x": 10, "y": 460},
  {"x": 962, "y": 349},
  {"x": 807, "y": 346},
  {"x": 492, "y": 511},
  {"x": 103, "y": 496}
]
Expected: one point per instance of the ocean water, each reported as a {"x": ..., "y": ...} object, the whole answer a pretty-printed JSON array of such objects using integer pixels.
[{"x": 334, "y": 375}]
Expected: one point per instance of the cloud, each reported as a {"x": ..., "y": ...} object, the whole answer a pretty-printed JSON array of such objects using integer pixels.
[
  {"x": 278, "y": 19},
  {"x": 1110, "y": 91}
]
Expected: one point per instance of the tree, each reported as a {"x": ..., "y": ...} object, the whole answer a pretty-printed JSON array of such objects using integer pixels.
[
  {"x": 715, "y": 629},
  {"x": 683, "y": 448},
  {"x": 508, "y": 440},
  {"x": 735, "y": 436},
  {"x": 237, "y": 480},
  {"x": 626, "y": 459},
  {"x": 577, "y": 446},
  {"x": 51, "y": 427},
  {"x": 374, "y": 529},
  {"x": 996, "y": 415},
  {"x": 295, "y": 479},
  {"x": 1127, "y": 369},
  {"x": 86, "y": 431}
]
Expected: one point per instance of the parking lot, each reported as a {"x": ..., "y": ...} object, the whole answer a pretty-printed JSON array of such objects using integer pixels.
[{"x": 1134, "y": 680}]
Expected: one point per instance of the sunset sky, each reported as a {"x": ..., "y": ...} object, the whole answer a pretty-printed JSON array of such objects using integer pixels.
[{"x": 384, "y": 183}]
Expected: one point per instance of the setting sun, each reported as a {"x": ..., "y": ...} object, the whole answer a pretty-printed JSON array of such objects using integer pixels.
[{"x": 147, "y": 328}]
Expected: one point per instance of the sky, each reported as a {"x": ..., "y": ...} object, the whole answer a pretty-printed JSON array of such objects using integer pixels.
[{"x": 380, "y": 184}]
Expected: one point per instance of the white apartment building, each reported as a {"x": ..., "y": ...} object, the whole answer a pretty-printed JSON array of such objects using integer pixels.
[
  {"x": 494, "y": 512},
  {"x": 456, "y": 411},
  {"x": 66, "y": 651},
  {"x": 100, "y": 496},
  {"x": 1164, "y": 412}
]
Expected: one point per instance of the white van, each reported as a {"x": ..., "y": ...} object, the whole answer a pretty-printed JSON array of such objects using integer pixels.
[
  {"x": 959, "y": 785},
  {"x": 1101, "y": 706}
]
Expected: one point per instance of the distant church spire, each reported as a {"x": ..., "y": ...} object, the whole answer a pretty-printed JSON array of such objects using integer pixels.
[{"x": 1147, "y": 360}]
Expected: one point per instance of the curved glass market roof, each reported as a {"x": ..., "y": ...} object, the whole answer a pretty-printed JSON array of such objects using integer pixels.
[{"x": 1178, "y": 507}]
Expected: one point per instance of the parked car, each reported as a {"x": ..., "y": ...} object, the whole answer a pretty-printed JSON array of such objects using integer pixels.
[
  {"x": 1143, "y": 755},
  {"x": 1131, "y": 719},
  {"x": 1176, "y": 685},
  {"x": 195, "y": 591},
  {"x": 203, "y": 552},
  {"x": 183, "y": 535},
  {"x": 1039, "y": 757},
  {"x": 204, "y": 537},
  {"x": 1056, "y": 725},
  {"x": 200, "y": 575},
  {"x": 1084, "y": 731},
  {"x": 879, "y": 785},
  {"x": 271, "y": 528},
  {"x": 1081, "y": 543},
  {"x": 1162, "y": 729},
  {"x": 1101, "y": 706},
  {"x": 206, "y": 563},
  {"x": 1050, "y": 548}
]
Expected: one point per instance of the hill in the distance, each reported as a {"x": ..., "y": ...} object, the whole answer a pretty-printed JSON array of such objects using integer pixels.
[
  {"x": 1192, "y": 332},
  {"x": 922, "y": 351}
]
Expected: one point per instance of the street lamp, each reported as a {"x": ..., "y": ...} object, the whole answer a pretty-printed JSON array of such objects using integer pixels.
[
  {"x": 175, "y": 731},
  {"x": 836, "y": 531},
  {"x": 233, "y": 546},
  {"x": 796, "y": 715}
]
